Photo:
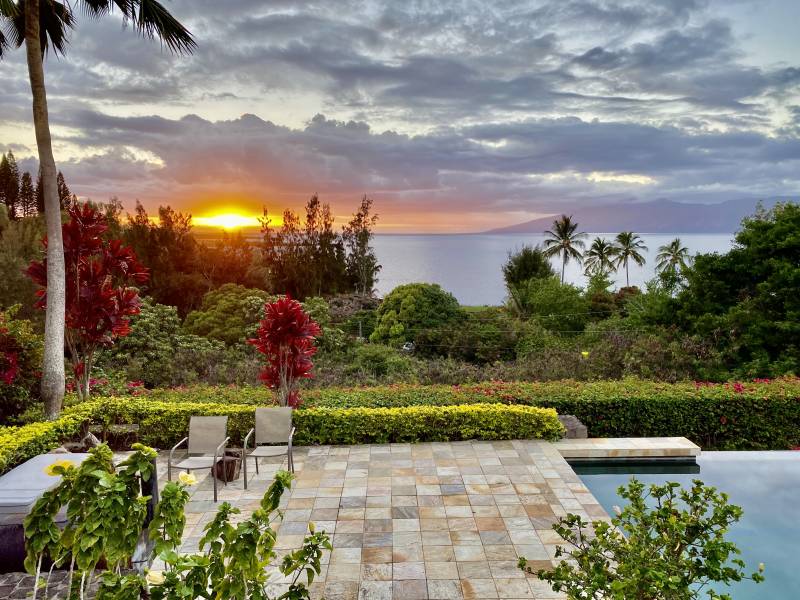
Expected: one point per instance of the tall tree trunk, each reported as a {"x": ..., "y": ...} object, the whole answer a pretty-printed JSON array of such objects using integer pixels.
[
  {"x": 52, "y": 385},
  {"x": 627, "y": 275},
  {"x": 563, "y": 266}
]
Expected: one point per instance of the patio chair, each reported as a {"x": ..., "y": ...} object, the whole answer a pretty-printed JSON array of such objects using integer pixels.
[
  {"x": 207, "y": 440},
  {"x": 273, "y": 426}
]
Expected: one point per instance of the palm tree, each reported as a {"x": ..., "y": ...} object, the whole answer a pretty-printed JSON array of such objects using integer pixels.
[
  {"x": 564, "y": 240},
  {"x": 672, "y": 257},
  {"x": 40, "y": 24},
  {"x": 628, "y": 247},
  {"x": 599, "y": 258}
]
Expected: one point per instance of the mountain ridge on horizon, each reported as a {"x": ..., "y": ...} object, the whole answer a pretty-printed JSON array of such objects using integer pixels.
[{"x": 656, "y": 216}]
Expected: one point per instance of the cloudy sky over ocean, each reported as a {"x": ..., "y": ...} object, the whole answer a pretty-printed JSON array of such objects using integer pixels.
[{"x": 453, "y": 115}]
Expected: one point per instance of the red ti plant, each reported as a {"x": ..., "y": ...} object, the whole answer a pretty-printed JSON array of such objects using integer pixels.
[
  {"x": 286, "y": 336},
  {"x": 99, "y": 299}
]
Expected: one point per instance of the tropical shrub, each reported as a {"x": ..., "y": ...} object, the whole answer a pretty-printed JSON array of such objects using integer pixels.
[
  {"x": 667, "y": 542},
  {"x": 229, "y": 314},
  {"x": 158, "y": 352},
  {"x": 99, "y": 294},
  {"x": 412, "y": 308},
  {"x": 747, "y": 299},
  {"x": 286, "y": 337},
  {"x": 481, "y": 336},
  {"x": 559, "y": 306},
  {"x": 378, "y": 361},
  {"x": 106, "y": 514},
  {"x": 20, "y": 359}
]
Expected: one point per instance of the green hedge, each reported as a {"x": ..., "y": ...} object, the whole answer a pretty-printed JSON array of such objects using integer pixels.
[
  {"x": 18, "y": 444},
  {"x": 749, "y": 415},
  {"x": 162, "y": 424}
]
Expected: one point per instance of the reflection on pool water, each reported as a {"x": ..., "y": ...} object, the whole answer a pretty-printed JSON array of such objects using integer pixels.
[{"x": 767, "y": 487}]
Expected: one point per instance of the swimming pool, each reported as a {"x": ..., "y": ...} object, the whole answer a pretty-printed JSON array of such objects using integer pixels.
[{"x": 765, "y": 484}]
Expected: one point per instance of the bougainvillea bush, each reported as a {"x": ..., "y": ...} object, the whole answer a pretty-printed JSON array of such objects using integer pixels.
[
  {"x": 20, "y": 357},
  {"x": 286, "y": 337},
  {"x": 99, "y": 294}
]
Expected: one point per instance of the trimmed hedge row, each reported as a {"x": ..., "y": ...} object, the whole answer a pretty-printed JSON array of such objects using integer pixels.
[
  {"x": 18, "y": 444},
  {"x": 162, "y": 424},
  {"x": 744, "y": 416}
]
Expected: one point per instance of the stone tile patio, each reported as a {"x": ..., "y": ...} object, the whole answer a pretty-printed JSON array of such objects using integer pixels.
[{"x": 419, "y": 521}]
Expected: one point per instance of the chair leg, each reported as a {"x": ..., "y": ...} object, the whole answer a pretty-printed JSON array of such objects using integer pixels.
[
  {"x": 244, "y": 468},
  {"x": 256, "y": 465},
  {"x": 213, "y": 476},
  {"x": 169, "y": 470}
]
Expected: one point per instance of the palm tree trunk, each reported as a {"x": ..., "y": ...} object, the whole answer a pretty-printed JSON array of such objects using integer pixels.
[
  {"x": 563, "y": 266},
  {"x": 627, "y": 276},
  {"x": 52, "y": 385}
]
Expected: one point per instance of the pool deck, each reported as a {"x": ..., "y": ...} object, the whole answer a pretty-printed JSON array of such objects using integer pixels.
[
  {"x": 419, "y": 521},
  {"x": 652, "y": 447}
]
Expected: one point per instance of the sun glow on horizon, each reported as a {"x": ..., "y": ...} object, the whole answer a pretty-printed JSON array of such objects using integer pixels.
[{"x": 227, "y": 221}]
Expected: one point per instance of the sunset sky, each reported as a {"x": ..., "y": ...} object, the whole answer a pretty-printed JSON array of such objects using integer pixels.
[{"x": 454, "y": 115}]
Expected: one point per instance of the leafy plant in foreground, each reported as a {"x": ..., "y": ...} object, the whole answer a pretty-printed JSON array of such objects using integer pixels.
[
  {"x": 105, "y": 519},
  {"x": 668, "y": 543}
]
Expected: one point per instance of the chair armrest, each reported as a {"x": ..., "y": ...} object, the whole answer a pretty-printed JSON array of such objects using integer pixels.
[
  {"x": 220, "y": 447},
  {"x": 175, "y": 447},
  {"x": 247, "y": 437},
  {"x": 291, "y": 436}
]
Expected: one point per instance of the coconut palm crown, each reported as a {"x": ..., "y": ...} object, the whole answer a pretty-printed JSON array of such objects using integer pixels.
[
  {"x": 672, "y": 257},
  {"x": 599, "y": 258},
  {"x": 565, "y": 240},
  {"x": 628, "y": 247}
]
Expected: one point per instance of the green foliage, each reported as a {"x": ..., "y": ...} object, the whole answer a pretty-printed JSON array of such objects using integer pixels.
[
  {"x": 311, "y": 258},
  {"x": 230, "y": 314},
  {"x": 20, "y": 243},
  {"x": 667, "y": 543},
  {"x": 412, "y": 308},
  {"x": 425, "y": 423},
  {"x": 527, "y": 263},
  {"x": 536, "y": 339},
  {"x": 479, "y": 336},
  {"x": 105, "y": 519},
  {"x": 559, "y": 306},
  {"x": 748, "y": 297},
  {"x": 377, "y": 361},
  {"x": 20, "y": 360},
  {"x": 159, "y": 353}
]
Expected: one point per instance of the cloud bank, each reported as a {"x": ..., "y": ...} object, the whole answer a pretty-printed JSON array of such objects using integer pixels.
[{"x": 453, "y": 114}]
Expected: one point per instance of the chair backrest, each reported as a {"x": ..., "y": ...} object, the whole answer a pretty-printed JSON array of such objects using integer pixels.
[
  {"x": 206, "y": 433},
  {"x": 273, "y": 425}
]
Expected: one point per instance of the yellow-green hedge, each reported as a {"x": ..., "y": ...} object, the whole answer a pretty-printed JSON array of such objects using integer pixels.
[
  {"x": 162, "y": 424},
  {"x": 18, "y": 444}
]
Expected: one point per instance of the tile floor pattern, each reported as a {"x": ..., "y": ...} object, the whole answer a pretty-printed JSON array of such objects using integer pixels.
[{"x": 420, "y": 521}]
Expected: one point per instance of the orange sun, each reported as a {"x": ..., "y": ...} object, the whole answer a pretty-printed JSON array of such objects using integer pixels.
[{"x": 227, "y": 221}]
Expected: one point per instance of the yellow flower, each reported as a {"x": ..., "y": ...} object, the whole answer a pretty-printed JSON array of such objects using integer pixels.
[
  {"x": 155, "y": 577},
  {"x": 187, "y": 479},
  {"x": 585, "y": 354},
  {"x": 65, "y": 464}
]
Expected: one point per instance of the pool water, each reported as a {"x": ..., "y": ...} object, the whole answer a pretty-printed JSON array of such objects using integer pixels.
[{"x": 767, "y": 487}]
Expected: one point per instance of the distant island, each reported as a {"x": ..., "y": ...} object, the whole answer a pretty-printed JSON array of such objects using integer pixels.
[{"x": 658, "y": 216}]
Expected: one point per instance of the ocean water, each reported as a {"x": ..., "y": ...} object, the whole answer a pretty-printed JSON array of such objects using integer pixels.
[{"x": 469, "y": 266}]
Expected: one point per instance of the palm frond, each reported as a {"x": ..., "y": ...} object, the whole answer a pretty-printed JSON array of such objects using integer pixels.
[
  {"x": 54, "y": 20},
  {"x": 150, "y": 18}
]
